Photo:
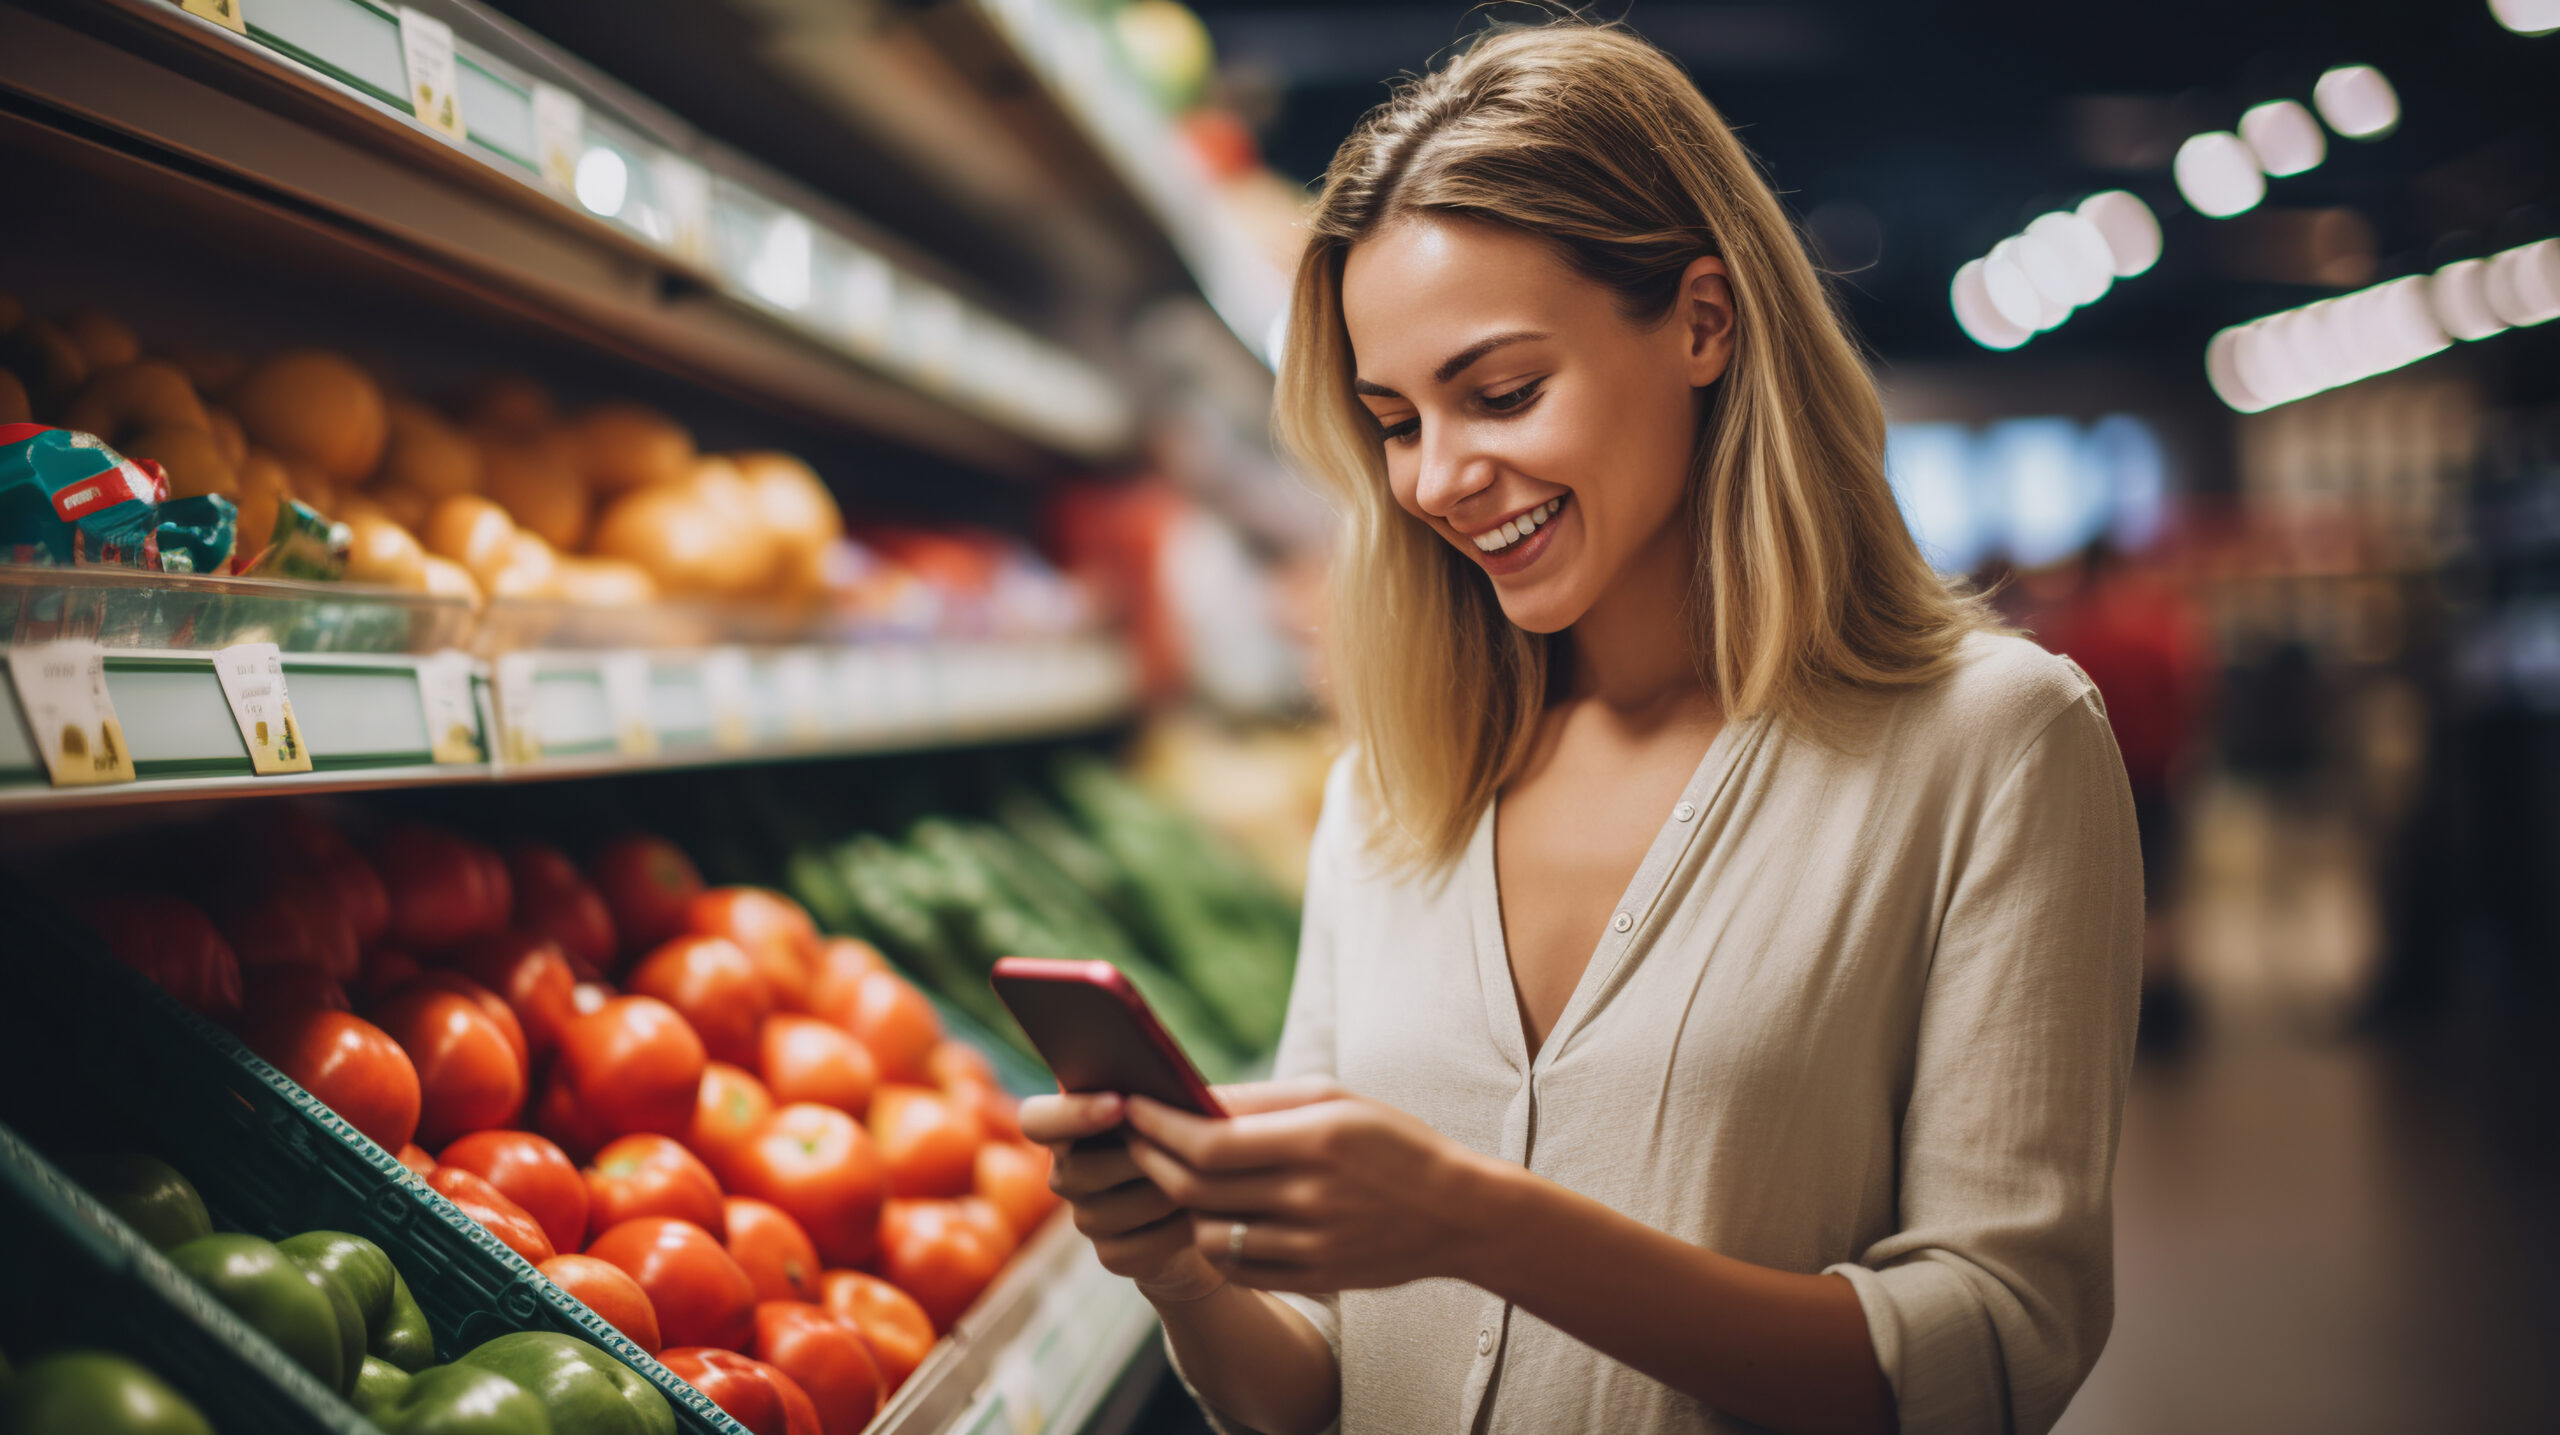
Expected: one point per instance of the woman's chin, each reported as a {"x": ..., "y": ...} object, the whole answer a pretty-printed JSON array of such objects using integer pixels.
[{"x": 1543, "y": 609}]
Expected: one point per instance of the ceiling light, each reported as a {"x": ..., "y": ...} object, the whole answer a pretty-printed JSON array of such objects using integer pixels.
[
  {"x": 2284, "y": 136},
  {"x": 2131, "y": 231},
  {"x": 2523, "y": 284},
  {"x": 2357, "y": 102},
  {"x": 2459, "y": 294},
  {"x": 2089, "y": 269},
  {"x": 2218, "y": 174},
  {"x": 2527, "y": 17},
  {"x": 602, "y": 181},
  {"x": 1981, "y": 319},
  {"x": 2300, "y": 352},
  {"x": 2012, "y": 292}
]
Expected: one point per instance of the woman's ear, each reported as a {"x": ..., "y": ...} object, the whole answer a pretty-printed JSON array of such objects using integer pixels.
[{"x": 1704, "y": 317}]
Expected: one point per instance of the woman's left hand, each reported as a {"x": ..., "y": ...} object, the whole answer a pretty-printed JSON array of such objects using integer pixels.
[{"x": 1335, "y": 1192}]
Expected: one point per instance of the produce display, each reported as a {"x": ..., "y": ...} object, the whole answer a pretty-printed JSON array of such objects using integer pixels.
[{"x": 93, "y": 1392}]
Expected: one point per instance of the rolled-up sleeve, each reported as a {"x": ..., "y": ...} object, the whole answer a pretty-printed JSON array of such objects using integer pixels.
[{"x": 1991, "y": 1302}]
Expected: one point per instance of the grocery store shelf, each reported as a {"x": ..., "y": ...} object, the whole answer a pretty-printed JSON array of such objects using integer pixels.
[{"x": 679, "y": 253}]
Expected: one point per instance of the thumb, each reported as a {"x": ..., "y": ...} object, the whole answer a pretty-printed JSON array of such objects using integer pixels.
[{"x": 1248, "y": 1098}]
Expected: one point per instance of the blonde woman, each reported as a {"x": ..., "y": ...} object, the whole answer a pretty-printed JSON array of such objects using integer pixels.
[{"x": 1718, "y": 983}]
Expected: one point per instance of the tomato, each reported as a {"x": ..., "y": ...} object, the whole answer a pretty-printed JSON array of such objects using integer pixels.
[
  {"x": 296, "y": 923},
  {"x": 555, "y": 903},
  {"x": 270, "y": 991},
  {"x": 646, "y": 882},
  {"x": 470, "y": 1069},
  {"x": 943, "y": 1252},
  {"x": 485, "y": 1203},
  {"x": 990, "y": 1105},
  {"x": 891, "y": 1018},
  {"x": 634, "y": 1065},
  {"x": 892, "y": 1324},
  {"x": 772, "y": 1249},
  {"x": 701, "y": 1296},
  {"x": 649, "y": 1175},
  {"x": 713, "y": 984},
  {"x": 816, "y": 1163},
  {"x": 927, "y": 1140},
  {"x": 753, "y": 1393},
  {"x": 490, "y": 1004},
  {"x": 438, "y": 885},
  {"x": 171, "y": 941},
  {"x": 726, "y": 1113},
  {"x": 611, "y": 1293},
  {"x": 842, "y": 964},
  {"x": 775, "y": 932},
  {"x": 415, "y": 1157},
  {"x": 538, "y": 867},
  {"x": 826, "y": 1357},
  {"x": 385, "y": 971},
  {"x": 361, "y": 895},
  {"x": 560, "y": 1116},
  {"x": 530, "y": 975},
  {"x": 533, "y": 1173},
  {"x": 955, "y": 1062},
  {"x": 805, "y": 1059},
  {"x": 351, "y": 1065},
  {"x": 589, "y": 996},
  {"x": 497, "y": 889},
  {"x": 1013, "y": 1177}
]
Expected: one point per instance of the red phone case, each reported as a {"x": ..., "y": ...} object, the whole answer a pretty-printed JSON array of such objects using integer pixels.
[{"x": 1097, "y": 1033}]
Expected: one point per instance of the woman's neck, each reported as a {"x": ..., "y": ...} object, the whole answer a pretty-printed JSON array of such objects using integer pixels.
[{"x": 1630, "y": 652}]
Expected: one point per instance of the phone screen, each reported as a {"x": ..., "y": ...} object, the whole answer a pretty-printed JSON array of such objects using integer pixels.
[{"x": 1097, "y": 1035}]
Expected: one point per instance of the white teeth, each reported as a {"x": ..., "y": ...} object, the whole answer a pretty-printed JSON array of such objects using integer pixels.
[{"x": 1495, "y": 540}]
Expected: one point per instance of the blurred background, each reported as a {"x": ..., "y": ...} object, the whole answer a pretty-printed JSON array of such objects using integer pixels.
[{"x": 2216, "y": 338}]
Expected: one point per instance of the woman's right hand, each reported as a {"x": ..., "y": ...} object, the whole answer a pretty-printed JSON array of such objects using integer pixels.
[{"x": 1137, "y": 1230}]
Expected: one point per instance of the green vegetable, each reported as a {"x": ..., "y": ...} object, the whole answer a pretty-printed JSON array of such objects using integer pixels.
[
  {"x": 351, "y": 1332},
  {"x": 404, "y": 1338},
  {"x": 147, "y": 1192},
  {"x": 581, "y": 1388},
  {"x": 354, "y": 1263},
  {"x": 463, "y": 1400},
  {"x": 278, "y": 1298},
  {"x": 378, "y": 1385},
  {"x": 91, "y": 1392}
]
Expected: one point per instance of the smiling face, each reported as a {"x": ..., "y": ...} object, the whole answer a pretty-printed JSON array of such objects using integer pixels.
[{"x": 1524, "y": 418}]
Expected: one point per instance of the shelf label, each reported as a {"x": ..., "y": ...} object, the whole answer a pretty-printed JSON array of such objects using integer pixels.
[
  {"x": 800, "y": 682},
  {"x": 684, "y": 198},
  {"x": 435, "y": 76},
  {"x": 62, "y": 689},
  {"x": 626, "y": 702},
  {"x": 559, "y": 136},
  {"x": 731, "y": 688},
  {"x": 252, "y": 677},
  {"x": 453, "y": 719},
  {"x": 225, "y": 13},
  {"x": 519, "y": 709}
]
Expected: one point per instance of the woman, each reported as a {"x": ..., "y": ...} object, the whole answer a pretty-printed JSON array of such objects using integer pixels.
[{"x": 1634, "y": 648}]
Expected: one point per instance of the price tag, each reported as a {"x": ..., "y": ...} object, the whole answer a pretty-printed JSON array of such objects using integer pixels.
[
  {"x": 62, "y": 689},
  {"x": 519, "y": 709},
  {"x": 800, "y": 681},
  {"x": 453, "y": 719},
  {"x": 626, "y": 702},
  {"x": 559, "y": 135},
  {"x": 225, "y": 13},
  {"x": 726, "y": 679},
  {"x": 253, "y": 683},
  {"x": 684, "y": 198},
  {"x": 435, "y": 76}
]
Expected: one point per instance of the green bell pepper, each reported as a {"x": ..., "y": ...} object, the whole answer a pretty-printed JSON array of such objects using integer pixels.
[
  {"x": 404, "y": 1338},
  {"x": 582, "y": 1388},
  {"x": 284, "y": 1302},
  {"x": 90, "y": 1392},
  {"x": 359, "y": 1269},
  {"x": 147, "y": 1192},
  {"x": 462, "y": 1400},
  {"x": 379, "y": 1384}
]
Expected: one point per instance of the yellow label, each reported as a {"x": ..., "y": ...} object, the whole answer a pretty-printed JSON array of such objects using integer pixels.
[
  {"x": 62, "y": 689},
  {"x": 252, "y": 676},
  {"x": 519, "y": 710},
  {"x": 626, "y": 703},
  {"x": 453, "y": 719},
  {"x": 435, "y": 74},
  {"x": 225, "y": 13}
]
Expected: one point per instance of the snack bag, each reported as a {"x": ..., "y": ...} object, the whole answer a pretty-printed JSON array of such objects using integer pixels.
[
  {"x": 65, "y": 497},
  {"x": 307, "y": 544}
]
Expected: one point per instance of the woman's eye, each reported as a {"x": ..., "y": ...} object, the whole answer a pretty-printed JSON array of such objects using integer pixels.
[
  {"x": 1403, "y": 432},
  {"x": 1505, "y": 402}
]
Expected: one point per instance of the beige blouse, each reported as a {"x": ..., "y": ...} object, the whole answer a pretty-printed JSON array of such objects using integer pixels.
[{"x": 1867, "y": 1007}]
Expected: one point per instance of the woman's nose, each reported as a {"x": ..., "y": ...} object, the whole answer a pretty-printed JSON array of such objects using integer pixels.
[{"x": 1452, "y": 472}]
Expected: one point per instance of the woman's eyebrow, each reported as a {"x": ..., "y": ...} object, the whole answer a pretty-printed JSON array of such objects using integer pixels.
[{"x": 1457, "y": 363}]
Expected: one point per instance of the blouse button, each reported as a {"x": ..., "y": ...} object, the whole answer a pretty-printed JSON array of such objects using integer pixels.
[
  {"x": 1684, "y": 812},
  {"x": 1484, "y": 1342},
  {"x": 1622, "y": 922}
]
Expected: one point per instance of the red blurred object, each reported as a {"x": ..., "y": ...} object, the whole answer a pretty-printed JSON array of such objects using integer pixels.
[
  {"x": 611, "y": 1293},
  {"x": 897, "y": 1329},
  {"x": 270, "y": 991},
  {"x": 1112, "y": 538},
  {"x": 532, "y": 1172},
  {"x": 633, "y": 1064},
  {"x": 530, "y": 975},
  {"x": 440, "y": 885},
  {"x": 774, "y": 931},
  {"x": 827, "y": 1357},
  {"x": 806, "y": 1059},
  {"x": 385, "y": 970},
  {"x": 171, "y": 941},
  {"x": 714, "y": 985},
  {"x": 701, "y": 1296},
  {"x": 553, "y": 901},
  {"x": 1013, "y": 1177},
  {"x": 349, "y": 1064},
  {"x": 471, "y": 1070},
  {"x": 646, "y": 882},
  {"x": 770, "y": 1246},
  {"x": 300, "y": 921},
  {"x": 488, "y": 1205},
  {"x": 928, "y": 1141},
  {"x": 1223, "y": 142},
  {"x": 754, "y": 1394},
  {"x": 893, "y": 1021},
  {"x": 943, "y": 1252},
  {"x": 820, "y": 1167},
  {"x": 415, "y": 1157},
  {"x": 651, "y": 1175}
]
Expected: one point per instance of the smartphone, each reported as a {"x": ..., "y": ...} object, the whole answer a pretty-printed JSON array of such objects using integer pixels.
[{"x": 1097, "y": 1033}]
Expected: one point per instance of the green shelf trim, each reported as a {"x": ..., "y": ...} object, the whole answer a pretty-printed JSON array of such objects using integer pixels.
[
  {"x": 355, "y": 761},
  {"x": 580, "y": 749},
  {"x": 202, "y": 665},
  {"x": 296, "y": 53},
  {"x": 192, "y": 767}
]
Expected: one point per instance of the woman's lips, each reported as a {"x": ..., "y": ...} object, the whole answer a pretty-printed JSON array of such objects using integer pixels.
[{"x": 1525, "y": 551}]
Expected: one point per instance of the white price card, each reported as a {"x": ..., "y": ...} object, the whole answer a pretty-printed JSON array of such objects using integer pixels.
[
  {"x": 800, "y": 681},
  {"x": 435, "y": 75},
  {"x": 252, "y": 677},
  {"x": 626, "y": 702},
  {"x": 519, "y": 708},
  {"x": 684, "y": 205},
  {"x": 726, "y": 680},
  {"x": 559, "y": 136},
  {"x": 225, "y": 13},
  {"x": 453, "y": 719},
  {"x": 907, "y": 685},
  {"x": 62, "y": 689}
]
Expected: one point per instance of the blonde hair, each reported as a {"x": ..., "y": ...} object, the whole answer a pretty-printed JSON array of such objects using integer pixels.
[{"x": 1808, "y": 579}]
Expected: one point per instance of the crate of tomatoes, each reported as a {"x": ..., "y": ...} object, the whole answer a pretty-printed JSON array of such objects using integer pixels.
[{"x": 746, "y": 1161}]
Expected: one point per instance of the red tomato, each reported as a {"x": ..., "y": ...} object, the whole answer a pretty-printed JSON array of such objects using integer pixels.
[
  {"x": 611, "y": 1293},
  {"x": 555, "y": 903},
  {"x": 268, "y": 991},
  {"x": 415, "y": 1157},
  {"x": 559, "y": 1116},
  {"x": 772, "y": 1249},
  {"x": 754, "y": 1394},
  {"x": 726, "y": 1113},
  {"x": 540, "y": 867},
  {"x": 928, "y": 1141},
  {"x": 990, "y": 1105},
  {"x": 385, "y": 971},
  {"x": 485, "y": 1203},
  {"x": 497, "y": 889},
  {"x": 891, "y": 1018},
  {"x": 892, "y": 1324},
  {"x": 1013, "y": 1177},
  {"x": 471, "y": 1073},
  {"x": 701, "y": 1296},
  {"x": 943, "y": 1252},
  {"x": 589, "y": 996},
  {"x": 633, "y": 1065},
  {"x": 816, "y": 1163},
  {"x": 530, "y": 975},
  {"x": 171, "y": 941},
  {"x": 491, "y": 1005},
  {"x": 348, "y": 1063},
  {"x": 297, "y": 923},
  {"x": 826, "y": 1357},
  {"x": 439, "y": 887},
  {"x": 842, "y": 964},
  {"x": 713, "y": 984},
  {"x": 647, "y": 1175},
  {"x": 955, "y": 1062},
  {"x": 361, "y": 895},
  {"x": 646, "y": 883},
  {"x": 775, "y": 932},
  {"x": 805, "y": 1059},
  {"x": 533, "y": 1173}
]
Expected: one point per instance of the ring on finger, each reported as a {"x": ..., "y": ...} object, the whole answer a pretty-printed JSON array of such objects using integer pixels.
[{"x": 1235, "y": 1241}]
